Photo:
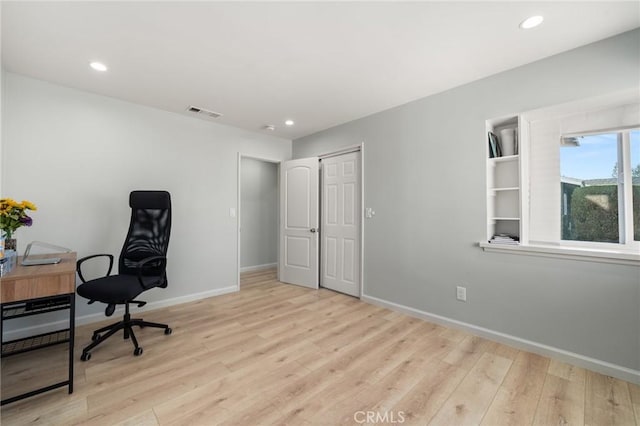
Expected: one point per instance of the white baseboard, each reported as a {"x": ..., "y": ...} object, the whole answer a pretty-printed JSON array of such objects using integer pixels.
[
  {"x": 593, "y": 364},
  {"x": 258, "y": 267},
  {"x": 91, "y": 318}
]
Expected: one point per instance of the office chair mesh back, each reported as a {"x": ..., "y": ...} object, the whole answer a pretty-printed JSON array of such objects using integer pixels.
[{"x": 148, "y": 234}]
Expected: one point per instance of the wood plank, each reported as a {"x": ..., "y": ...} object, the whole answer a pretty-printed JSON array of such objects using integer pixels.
[
  {"x": 108, "y": 407},
  {"x": 469, "y": 402},
  {"x": 567, "y": 371},
  {"x": 225, "y": 397},
  {"x": 468, "y": 351},
  {"x": 608, "y": 401},
  {"x": 517, "y": 399},
  {"x": 54, "y": 408},
  {"x": 505, "y": 351},
  {"x": 146, "y": 418},
  {"x": 561, "y": 402},
  {"x": 390, "y": 389},
  {"x": 454, "y": 334},
  {"x": 354, "y": 389},
  {"x": 423, "y": 338},
  {"x": 634, "y": 391},
  {"x": 436, "y": 384}
]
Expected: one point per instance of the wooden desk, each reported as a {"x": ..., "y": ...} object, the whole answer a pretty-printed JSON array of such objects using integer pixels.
[{"x": 33, "y": 290}]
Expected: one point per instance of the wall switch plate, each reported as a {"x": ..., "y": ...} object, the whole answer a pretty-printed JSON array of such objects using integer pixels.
[
  {"x": 461, "y": 293},
  {"x": 369, "y": 213},
  {"x": 232, "y": 212}
]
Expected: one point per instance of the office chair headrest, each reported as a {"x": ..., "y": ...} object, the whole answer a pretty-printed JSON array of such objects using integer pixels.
[{"x": 149, "y": 200}]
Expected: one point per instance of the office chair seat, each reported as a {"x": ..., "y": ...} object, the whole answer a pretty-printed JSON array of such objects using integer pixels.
[{"x": 116, "y": 288}]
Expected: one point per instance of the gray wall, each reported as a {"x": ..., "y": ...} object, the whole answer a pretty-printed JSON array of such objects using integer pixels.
[
  {"x": 258, "y": 212},
  {"x": 425, "y": 178},
  {"x": 77, "y": 156}
]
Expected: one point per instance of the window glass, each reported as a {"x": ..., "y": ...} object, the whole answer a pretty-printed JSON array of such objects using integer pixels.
[
  {"x": 589, "y": 189},
  {"x": 634, "y": 137}
]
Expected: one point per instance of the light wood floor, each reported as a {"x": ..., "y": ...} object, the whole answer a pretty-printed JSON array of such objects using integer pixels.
[{"x": 285, "y": 355}]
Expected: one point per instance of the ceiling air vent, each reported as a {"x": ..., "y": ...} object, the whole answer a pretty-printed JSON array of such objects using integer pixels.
[{"x": 197, "y": 110}]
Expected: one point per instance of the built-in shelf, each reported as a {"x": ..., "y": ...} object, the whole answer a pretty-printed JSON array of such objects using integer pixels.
[{"x": 504, "y": 188}]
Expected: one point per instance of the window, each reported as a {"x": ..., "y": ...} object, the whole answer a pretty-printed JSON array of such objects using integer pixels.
[
  {"x": 581, "y": 177},
  {"x": 595, "y": 172},
  {"x": 577, "y": 195}
]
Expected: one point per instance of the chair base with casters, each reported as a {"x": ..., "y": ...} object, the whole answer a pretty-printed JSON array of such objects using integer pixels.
[{"x": 126, "y": 325}]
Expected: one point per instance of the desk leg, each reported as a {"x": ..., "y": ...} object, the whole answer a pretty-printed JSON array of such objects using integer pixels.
[
  {"x": 72, "y": 332},
  {"x": 1, "y": 327}
]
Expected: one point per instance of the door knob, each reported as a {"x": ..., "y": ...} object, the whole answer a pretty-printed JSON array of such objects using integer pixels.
[{"x": 313, "y": 230}]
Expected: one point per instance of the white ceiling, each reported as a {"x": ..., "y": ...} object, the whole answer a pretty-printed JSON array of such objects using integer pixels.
[{"x": 318, "y": 63}]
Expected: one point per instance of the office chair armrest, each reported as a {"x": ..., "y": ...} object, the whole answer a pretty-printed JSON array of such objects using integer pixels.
[
  {"x": 81, "y": 261},
  {"x": 141, "y": 266}
]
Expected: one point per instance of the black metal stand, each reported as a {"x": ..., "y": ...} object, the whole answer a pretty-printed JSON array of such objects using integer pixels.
[{"x": 12, "y": 310}]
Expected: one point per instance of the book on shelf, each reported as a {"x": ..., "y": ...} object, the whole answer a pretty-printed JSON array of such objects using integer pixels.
[
  {"x": 505, "y": 239},
  {"x": 494, "y": 146}
]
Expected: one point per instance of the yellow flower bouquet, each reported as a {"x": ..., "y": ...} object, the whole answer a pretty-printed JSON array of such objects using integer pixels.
[{"x": 13, "y": 215}]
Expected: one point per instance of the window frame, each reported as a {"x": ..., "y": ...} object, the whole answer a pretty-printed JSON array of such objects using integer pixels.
[{"x": 624, "y": 184}]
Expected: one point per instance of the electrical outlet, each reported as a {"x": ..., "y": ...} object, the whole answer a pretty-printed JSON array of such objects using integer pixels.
[{"x": 461, "y": 293}]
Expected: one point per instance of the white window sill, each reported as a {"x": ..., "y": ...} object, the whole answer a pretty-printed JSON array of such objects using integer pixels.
[{"x": 562, "y": 252}]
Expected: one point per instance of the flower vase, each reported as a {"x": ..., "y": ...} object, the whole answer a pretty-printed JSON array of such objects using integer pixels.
[{"x": 10, "y": 244}]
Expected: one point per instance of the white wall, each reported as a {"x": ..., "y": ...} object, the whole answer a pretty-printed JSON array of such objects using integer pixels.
[
  {"x": 78, "y": 155},
  {"x": 425, "y": 177},
  {"x": 258, "y": 213}
]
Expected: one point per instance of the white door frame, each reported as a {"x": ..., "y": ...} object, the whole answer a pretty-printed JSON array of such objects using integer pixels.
[
  {"x": 346, "y": 150},
  {"x": 239, "y": 207}
]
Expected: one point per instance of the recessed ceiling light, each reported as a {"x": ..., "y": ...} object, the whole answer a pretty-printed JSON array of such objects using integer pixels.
[
  {"x": 531, "y": 22},
  {"x": 98, "y": 66},
  {"x": 289, "y": 123}
]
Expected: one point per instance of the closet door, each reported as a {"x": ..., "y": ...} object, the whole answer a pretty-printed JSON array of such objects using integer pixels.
[{"x": 340, "y": 228}]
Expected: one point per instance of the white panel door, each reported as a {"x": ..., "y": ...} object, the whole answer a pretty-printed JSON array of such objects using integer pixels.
[
  {"x": 299, "y": 189},
  {"x": 341, "y": 223}
]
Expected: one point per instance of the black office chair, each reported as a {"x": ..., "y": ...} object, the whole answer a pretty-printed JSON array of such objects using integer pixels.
[{"x": 141, "y": 267}]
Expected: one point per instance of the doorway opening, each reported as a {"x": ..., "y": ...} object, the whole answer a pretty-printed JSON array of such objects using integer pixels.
[{"x": 257, "y": 220}]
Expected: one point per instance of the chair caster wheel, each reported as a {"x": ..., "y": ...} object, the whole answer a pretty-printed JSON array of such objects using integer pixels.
[
  {"x": 95, "y": 337},
  {"x": 86, "y": 356},
  {"x": 168, "y": 331},
  {"x": 137, "y": 352}
]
